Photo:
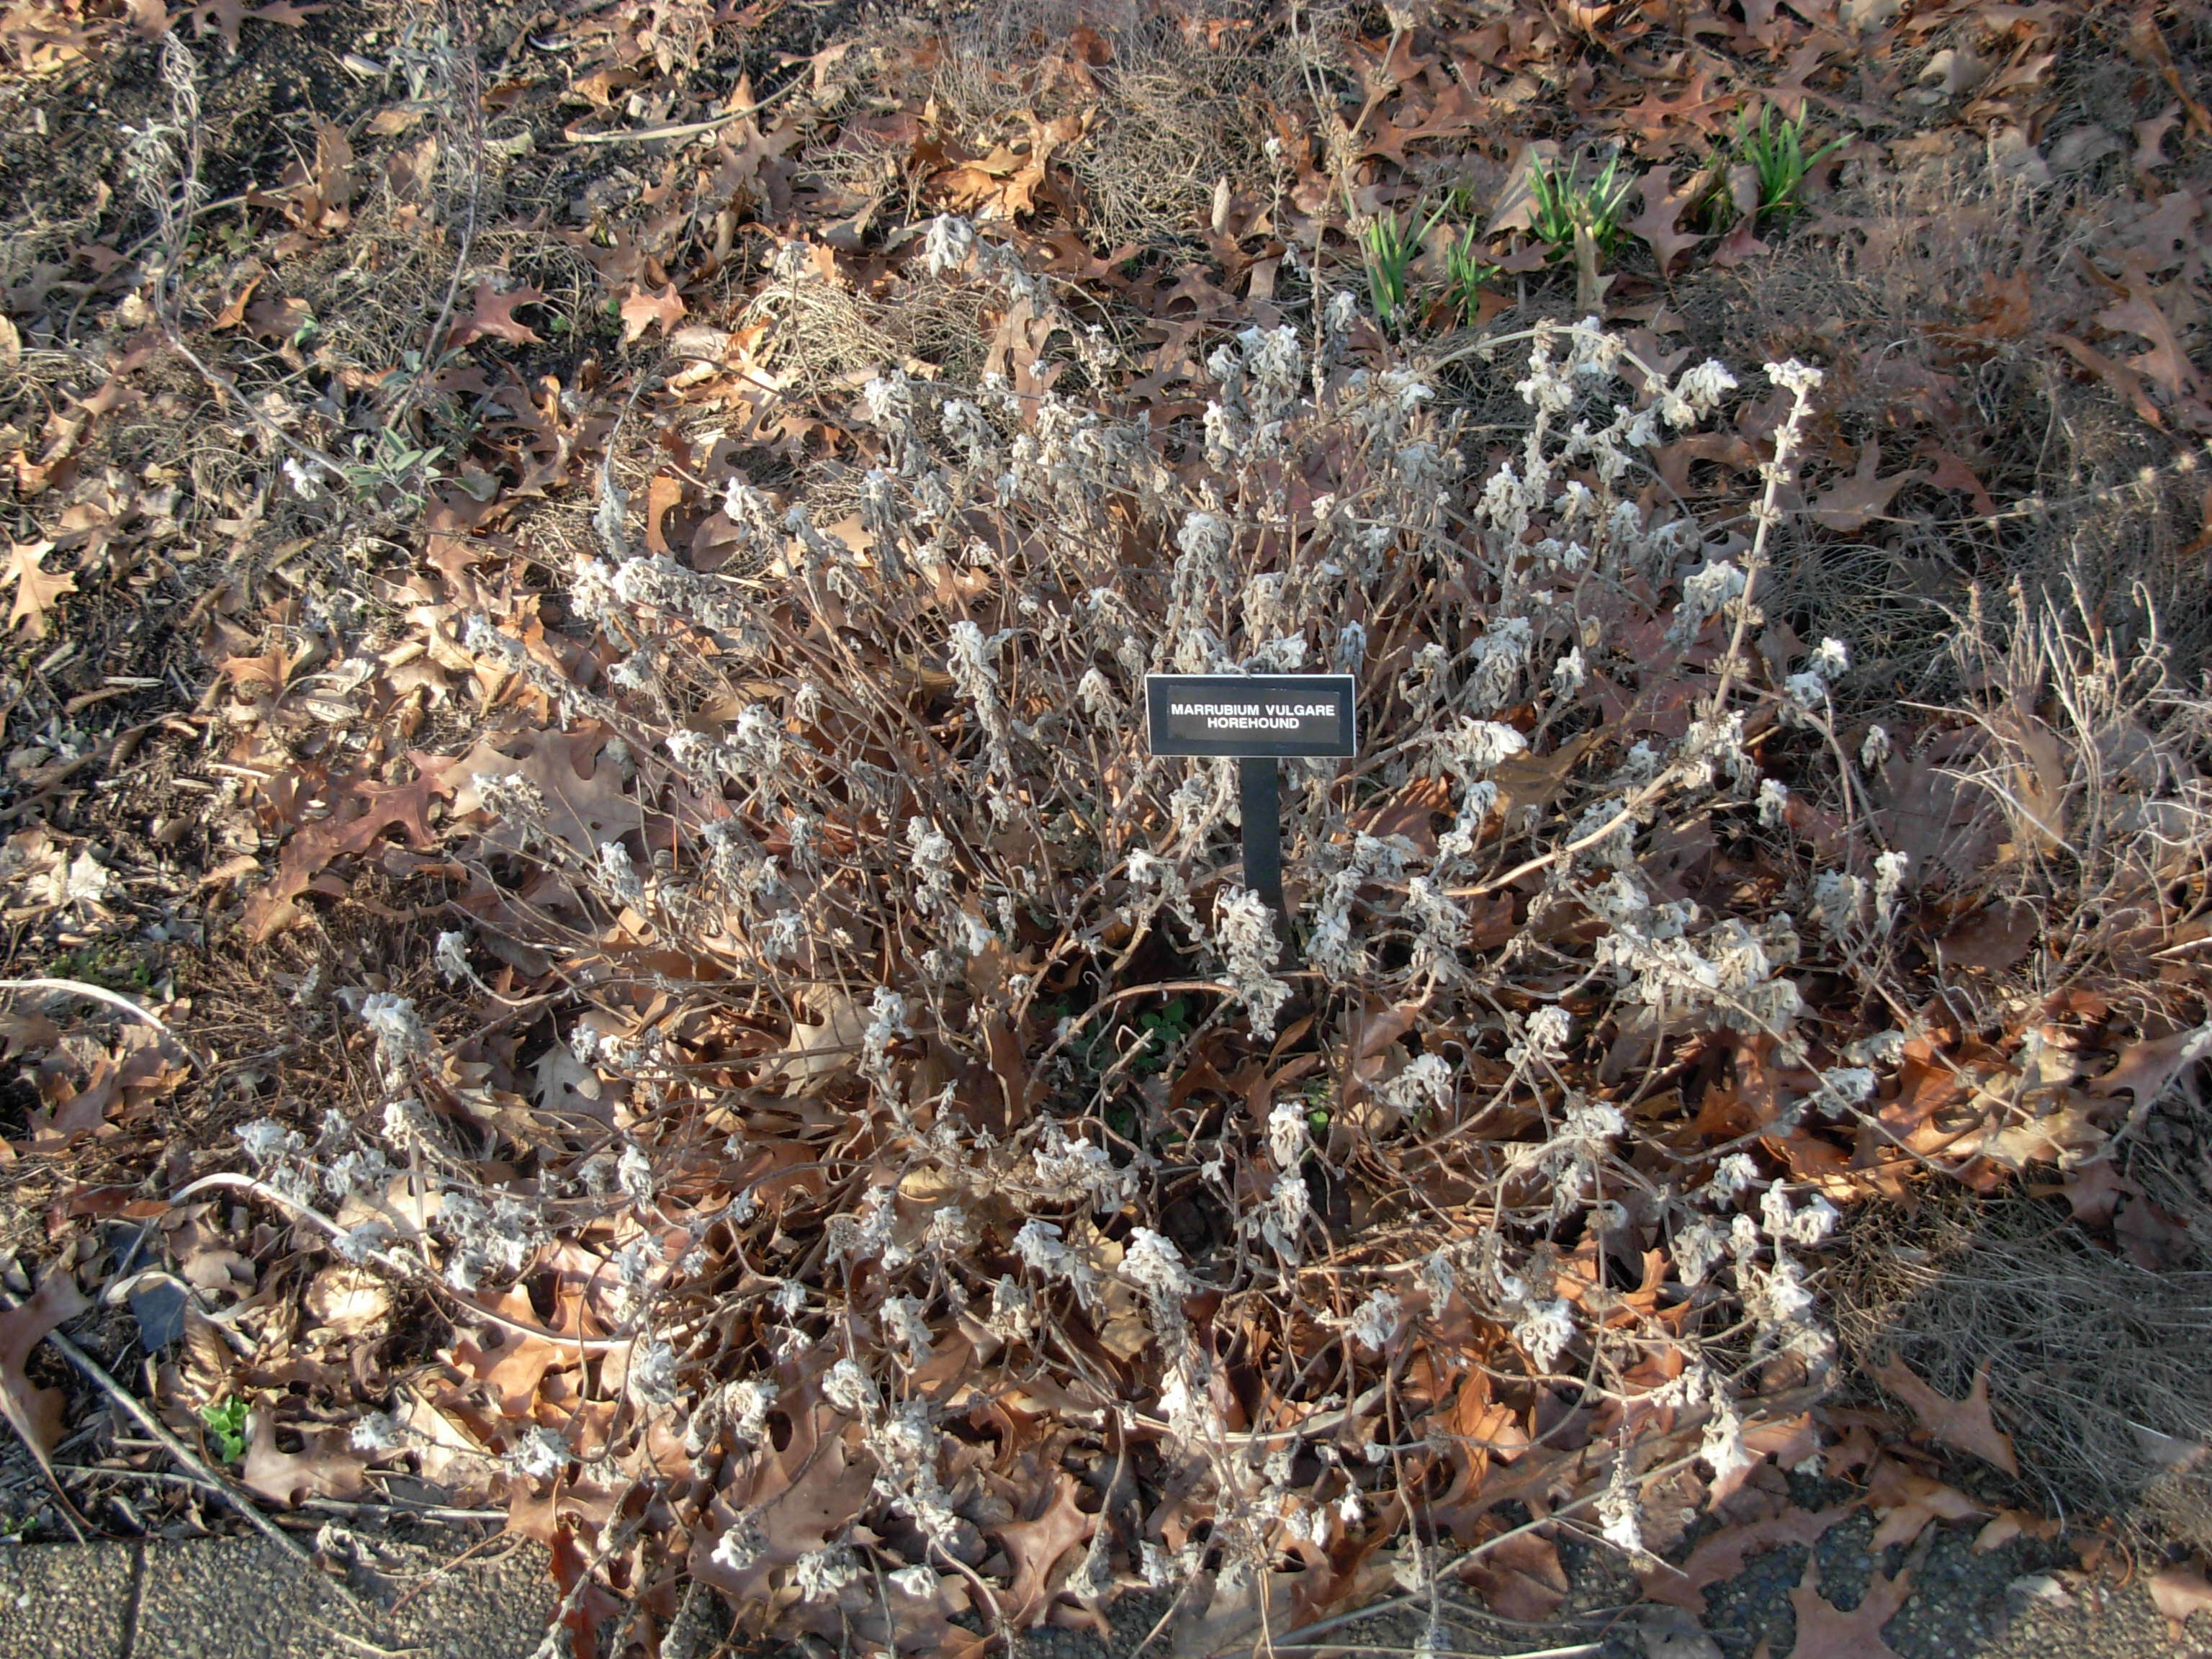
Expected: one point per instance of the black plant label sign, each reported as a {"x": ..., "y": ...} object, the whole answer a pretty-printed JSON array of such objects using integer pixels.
[{"x": 1256, "y": 716}]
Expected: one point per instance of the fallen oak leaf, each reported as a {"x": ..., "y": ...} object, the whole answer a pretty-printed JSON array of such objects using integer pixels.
[
  {"x": 1521, "y": 1578},
  {"x": 643, "y": 309},
  {"x": 1992, "y": 939},
  {"x": 322, "y": 1468},
  {"x": 493, "y": 317},
  {"x": 819, "y": 1052},
  {"x": 2118, "y": 376},
  {"x": 586, "y": 1605},
  {"x": 1826, "y": 1631},
  {"x": 2147, "y": 1069},
  {"x": 584, "y": 805},
  {"x": 35, "y": 1413},
  {"x": 1740, "y": 246},
  {"x": 1662, "y": 212},
  {"x": 1670, "y": 1633},
  {"x": 1406, "y": 812},
  {"x": 509, "y": 1364},
  {"x": 2177, "y": 1592},
  {"x": 227, "y": 16},
  {"x": 1526, "y": 781},
  {"x": 1722, "y": 1556},
  {"x": 1962, "y": 1424},
  {"x": 2166, "y": 363},
  {"x": 797, "y": 1498},
  {"x": 2092, "y": 1190},
  {"x": 361, "y": 812},
  {"x": 1034, "y": 1548},
  {"x": 2007, "y": 1524},
  {"x": 1908, "y": 1502},
  {"x": 1851, "y": 504},
  {"x": 37, "y": 589},
  {"x": 1953, "y": 473}
]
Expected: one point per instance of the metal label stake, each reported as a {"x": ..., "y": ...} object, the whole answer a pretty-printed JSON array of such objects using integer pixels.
[
  {"x": 1260, "y": 799},
  {"x": 1255, "y": 719}
]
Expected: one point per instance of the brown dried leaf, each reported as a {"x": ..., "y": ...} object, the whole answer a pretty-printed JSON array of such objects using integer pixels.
[
  {"x": 2148, "y": 1068},
  {"x": 322, "y": 1468},
  {"x": 2039, "y": 777},
  {"x": 2165, "y": 361},
  {"x": 585, "y": 806},
  {"x": 347, "y": 1301},
  {"x": 1407, "y": 811},
  {"x": 1963, "y": 1424},
  {"x": 1539, "y": 779},
  {"x": 1825, "y": 1631},
  {"x": 1721, "y": 1555},
  {"x": 2178, "y": 1592},
  {"x": 227, "y": 16},
  {"x": 34, "y": 1413},
  {"x": 799, "y": 1497},
  {"x": 1035, "y": 1548},
  {"x": 1662, "y": 212},
  {"x": 1670, "y": 1633},
  {"x": 1522, "y": 1579},
  {"x": 1003, "y": 185},
  {"x": 2118, "y": 376},
  {"x": 1908, "y": 1502},
  {"x": 511, "y": 1364},
  {"x": 1514, "y": 206},
  {"x": 37, "y": 589},
  {"x": 643, "y": 309},
  {"x": 1850, "y": 505},
  {"x": 816, "y": 1054},
  {"x": 1992, "y": 939},
  {"x": 361, "y": 809},
  {"x": 493, "y": 317}
]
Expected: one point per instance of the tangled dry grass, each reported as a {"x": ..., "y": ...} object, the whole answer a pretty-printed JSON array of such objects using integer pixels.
[{"x": 2097, "y": 1358}]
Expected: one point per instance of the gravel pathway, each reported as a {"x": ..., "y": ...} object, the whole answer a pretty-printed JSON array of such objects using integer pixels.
[{"x": 237, "y": 1598}]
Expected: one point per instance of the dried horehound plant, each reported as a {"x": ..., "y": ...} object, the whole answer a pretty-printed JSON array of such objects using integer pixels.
[{"x": 898, "y": 806}]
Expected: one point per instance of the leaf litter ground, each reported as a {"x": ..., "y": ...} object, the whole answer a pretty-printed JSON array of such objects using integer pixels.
[{"x": 585, "y": 675}]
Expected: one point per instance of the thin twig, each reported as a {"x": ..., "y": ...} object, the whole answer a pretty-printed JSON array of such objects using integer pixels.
[
  {"x": 688, "y": 129},
  {"x": 439, "y": 1572},
  {"x": 97, "y": 992},
  {"x": 321, "y": 1505}
]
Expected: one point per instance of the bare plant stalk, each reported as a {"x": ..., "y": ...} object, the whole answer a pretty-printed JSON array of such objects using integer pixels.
[{"x": 462, "y": 76}]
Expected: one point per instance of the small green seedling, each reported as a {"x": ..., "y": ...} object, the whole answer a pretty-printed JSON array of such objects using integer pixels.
[
  {"x": 226, "y": 1427},
  {"x": 1317, "y": 1095},
  {"x": 1775, "y": 150},
  {"x": 1564, "y": 201},
  {"x": 106, "y": 964},
  {"x": 1390, "y": 244},
  {"x": 390, "y": 462},
  {"x": 1159, "y": 1034},
  {"x": 1465, "y": 271}
]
